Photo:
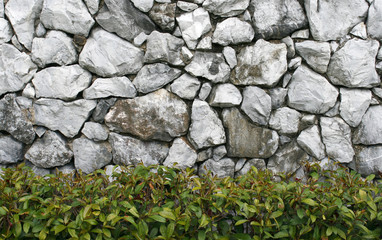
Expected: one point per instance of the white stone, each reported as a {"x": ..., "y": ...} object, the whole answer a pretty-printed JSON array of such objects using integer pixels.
[
  {"x": 285, "y": 120},
  {"x": 29, "y": 91},
  {"x": 110, "y": 87},
  {"x": 225, "y": 95},
  {"x": 354, "y": 103},
  {"x": 95, "y": 131},
  {"x": 219, "y": 152},
  {"x": 233, "y": 31},
  {"x": 290, "y": 46},
  {"x": 278, "y": 97},
  {"x": 16, "y": 43},
  {"x": 368, "y": 160},
  {"x": 301, "y": 34},
  {"x": 257, "y": 163},
  {"x": 11, "y": 150},
  {"x": 316, "y": 54},
  {"x": 369, "y": 131},
  {"x": 334, "y": 111},
  {"x": 230, "y": 56},
  {"x": 186, "y": 86},
  {"x": 140, "y": 39},
  {"x": 310, "y": 140},
  {"x": 92, "y": 5},
  {"x": 6, "y": 31},
  {"x": 374, "y": 20},
  {"x": 40, "y": 30},
  {"x": 257, "y": 105},
  {"x": 186, "y": 54},
  {"x": 205, "y": 91},
  {"x": 205, "y": 43},
  {"x": 223, "y": 168},
  {"x": 360, "y": 30},
  {"x": 186, "y": 6},
  {"x": 143, "y": 5},
  {"x": 1, "y": 9},
  {"x": 181, "y": 155},
  {"x": 225, "y": 8},
  {"x": 295, "y": 63}
]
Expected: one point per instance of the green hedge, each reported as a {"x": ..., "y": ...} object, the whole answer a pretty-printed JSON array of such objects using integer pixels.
[{"x": 162, "y": 203}]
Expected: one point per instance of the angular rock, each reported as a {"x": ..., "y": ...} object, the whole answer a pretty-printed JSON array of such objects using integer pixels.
[
  {"x": 92, "y": 5},
  {"x": 61, "y": 82},
  {"x": 16, "y": 69},
  {"x": 360, "y": 31},
  {"x": 52, "y": 150},
  {"x": 223, "y": 168},
  {"x": 66, "y": 169},
  {"x": 369, "y": 131},
  {"x": 261, "y": 64},
  {"x": 181, "y": 155},
  {"x": 143, "y": 5},
  {"x": 257, "y": 163},
  {"x": 66, "y": 117},
  {"x": 277, "y": 18},
  {"x": 95, "y": 131},
  {"x": 102, "y": 109},
  {"x": 226, "y": 8},
  {"x": 90, "y": 156},
  {"x": 204, "y": 155},
  {"x": 187, "y": 55},
  {"x": 194, "y": 25},
  {"x": 353, "y": 65},
  {"x": 1, "y": 9},
  {"x": 311, "y": 92},
  {"x": 205, "y": 43},
  {"x": 154, "y": 76},
  {"x": 14, "y": 120},
  {"x": 107, "y": 55},
  {"x": 264, "y": 142},
  {"x": 278, "y": 97},
  {"x": 70, "y": 16},
  {"x": 40, "y": 30},
  {"x": 11, "y": 150},
  {"x": 186, "y": 86},
  {"x": 6, "y": 31},
  {"x": 368, "y": 160},
  {"x": 37, "y": 170},
  {"x": 206, "y": 128},
  {"x": 354, "y": 103},
  {"x": 209, "y": 65},
  {"x": 225, "y": 95},
  {"x": 334, "y": 111},
  {"x": 29, "y": 91},
  {"x": 332, "y": 19},
  {"x": 374, "y": 20},
  {"x": 301, "y": 34},
  {"x": 230, "y": 56},
  {"x": 336, "y": 135},
  {"x": 159, "y": 115},
  {"x": 219, "y": 152},
  {"x": 316, "y": 54},
  {"x": 295, "y": 63},
  {"x": 164, "y": 15},
  {"x": 285, "y": 120},
  {"x": 131, "y": 151},
  {"x": 186, "y": 6},
  {"x": 140, "y": 39},
  {"x": 56, "y": 47},
  {"x": 290, "y": 46},
  {"x": 112, "y": 169},
  {"x": 256, "y": 104},
  {"x": 110, "y": 87},
  {"x": 310, "y": 141},
  {"x": 205, "y": 91},
  {"x": 233, "y": 31}
]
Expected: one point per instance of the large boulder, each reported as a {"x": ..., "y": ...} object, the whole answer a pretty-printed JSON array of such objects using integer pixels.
[
  {"x": 316, "y": 54},
  {"x": 310, "y": 140},
  {"x": 369, "y": 131},
  {"x": 354, "y": 103},
  {"x": 285, "y": 120},
  {"x": 368, "y": 160},
  {"x": 233, "y": 31},
  {"x": 374, "y": 20},
  {"x": 181, "y": 155},
  {"x": 223, "y": 168},
  {"x": 225, "y": 95},
  {"x": 226, "y": 8},
  {"x": 11, "y": 150},
  {"x": 110, "y": 87},
  {"x": 257, "y": 105}
]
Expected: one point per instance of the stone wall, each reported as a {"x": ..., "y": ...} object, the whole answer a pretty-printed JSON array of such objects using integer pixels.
[{"x": 221, "y": 85}]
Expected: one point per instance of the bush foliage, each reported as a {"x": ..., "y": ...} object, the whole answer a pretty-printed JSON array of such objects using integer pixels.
[{"x": 162, "y": 203}]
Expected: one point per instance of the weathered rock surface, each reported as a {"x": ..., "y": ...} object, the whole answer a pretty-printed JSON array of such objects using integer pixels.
[
  {"x": 311, "y": 92},
  {"x": 164, "y": 15},
  {"x": 316, "y": 54},
  {"x": 354, "y": 103},
  {"x": 223, "y": 168},
  {"x": 102, "y": 109},
  {"x": 369, "y": 131},
  {"x": 233, "y": 31},
  {"x": 359, "y": 30},
  {"x": 11, "y": 150},
  {"x": 181, "y": 155},
  {"x": 131, "y": 151},
  {"x": 186, "y": 86},
  {"x": 110, "y": 87},
  {"x": 374, "y": 20},
  {"x": 66, "y": 117},
  {"x": 256, "y": 104},
  {"x": 186, "y": 6},
  {"x": 230, "y": 56},
  {"x": 310, "y": 140},
  {"x": 6, "y": 31},
  {"x": 51, "y": 150},
  {"x": 205, "y": 91},
  {"x": 285, "y": 120},
  {"x": 225, "y": 95},
  {"x": 353, "y": 65},
  {"x": 264, "y": 142},
  {"x": 107, "y": 55},
  {"x": 261, "y": 64},
  {"x": 257, "y": 163},
  {"x": 95, "y": 131},
  {"x": 226, "y": 8},
  {"x": 143, "y": 5},
  {"x": 92, "y": 5},
  {"x": 278, "y": 97},
  {"x": 159, "y": 115},
  {"x": 368, "y": 160}
]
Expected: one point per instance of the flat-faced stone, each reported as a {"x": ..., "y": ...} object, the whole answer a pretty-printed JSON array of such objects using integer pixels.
[
  {"x": 225, "y": 95},
  {"x": 223, "y": 168},
  {"x": 316, "y": 54},
  {"x": 256, "y": 105},
  {"x": 11, "y": 150},
  {"x": 186, "y": 86},
  {"x": 369, "y": 131},
  {"x": 368, "y": 160},
  {"x": 310, "y": 140},
  {"x": 181, "y": 155},
  {"x": 6, "y": 31},
  {"x": 285, "y": 120},
  {"x": 354, "y": 103},
  {"x": 110, "y": 87},
  {"x": 226, "y": 8},
  {"x": 233, "y": 31}
]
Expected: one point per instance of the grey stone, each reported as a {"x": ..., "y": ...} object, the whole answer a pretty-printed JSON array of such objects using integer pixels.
[
  {"x": 131, "y": 151},
  {"x": 295, "y": 63},
  {"x": 374, "y": 102},
  {"x": 37, "y": 170},
  {"x": 256, "y": 105},
  {"x": 369, "y": 131},
  {"x": 225, "y": 95},
  {"x": 311, "y": 92},
  {"x": 102, "y": 109},
  {"x": 219, "y": 152},
  {"x": 40, "y": 30},
  {"x": 61, "y": 82},
  {"x": 143, "y": 5},
  {"x": 40, "y": 131},
  {"x": 206, "y": 128},
  {"x": 17, "y": 44},
  {"x": 90, "y": 156},
  {"x": 310, "y": 141},
  {"x": 278, "y": 97},
  {"x": 186, "y": 86},
  {"x": 95, "y": 131},
  {"x": 374, "y": 20},
  {"x": 140, "y": 39},
  {"x": 70, "y": 16},
  {"x": 334, "y": 46},
  {"x": 6, "y": 31},
  {"x": 159, "y": 115},
  {"x": 285, "y": 139},
  {"x": 285, "y": 120},
  {"x": 16, "y": 68},
  {"x": 66, "y": 117},
  {"x": 277, "y": 18},
  {"x": 56, "y": 47},
  {"x": 187, "y": 55},
  {"x": 223, "y": 168},
  {"x": 360, "y": 30},
  {"x": 209, "y": 65},
  {"x": 110, "y": 87},
  {"x": 336, "y": 135},
  {"x": 332, "y": 19},
  {"x": 194, "y": 25},
  {"x": 354, "y": 103},
  {"x": 301, "y": 34},
  {"x": 307, "y": 120},
  {"x": 291, "y": 51},
  {"x": 240, "y": 164},
  {"x": 205, "y": 43},
  {"x": 261, "y": 64},
  {"x": 226, "y": 8},
  {"x": 100, "y": 56},
  {"x": 204, "y": 155},
  {"x": 205, "y": 91},
  {"x": 264, "y": 142},
  {"x": 186, "y": 6},
  {"x": 334, "y": 111},
  {"x": 181, "y": 155},
  {"x": 29, "y": 91},
  {"x": 52, "y": 150},
  {"x": 316, "y": 54},
  {"x": 257, "y": 163},
  {"x": 93, "y": 6},
  {"x": 233, "y": 31},
  {"x": 368, "y": 160},
  {"x": 1, "y": 9},
  {"x": 163, "y": 47},
  {"x": 164, "y": 15},
  {"x": 230, "y": 56},
  {"x": 378, "y": 92},
  {"x": 11, "y": 150},
  {"x": 122, "y": 18},
  {"x": 286, "y": 79},
  {"x": 154, "y": 76},
  {"x": 112, "y": 169},
  {"x": 66, "y": 169},
  {"x": 13, "y": 120}
]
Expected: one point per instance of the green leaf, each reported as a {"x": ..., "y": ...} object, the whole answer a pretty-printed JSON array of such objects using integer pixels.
[
  {"x": 370, "y": 177},
  {"x": 158, "y": 218},
  {"x": 276, "y": 214},
  {"x": 204, "y": 221},
  {"x": 282, "y": 234},
  {"x": 143, "y": 229},
  {"x": 3, "y": 211},
  {"x": 42, "y": 235},
  {"x": 329, "y": 231},
  {"x": 310, "y": 202},
  {"x": 242, "y": 236},
  {"x": 86, "y": 211},
  {"x": 111, "y": 216},
  {"x": 106, "y": 232},
  {"x": 134, "y": 211},
  {"x": 241, "y": 222},
  {"x": 72, "y": 232},
  {"x": 170, "y": 230},
  {"x": 167, "y": 213},
  {"x": 372, "y": 205},
  {"x": 18, "y": 229},
  {"x": 363, "y": 195},
  {"x": 201, "y": 235},
  {"x": 59, "y": 228},
  {"x": 26, "y": 227},
  {"x": 300, "y": 213}
]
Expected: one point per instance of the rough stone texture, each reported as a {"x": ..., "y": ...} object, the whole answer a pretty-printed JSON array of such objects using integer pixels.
[
  {"x": 56, "y": 47},
  {"x": 110, "y": 170},
  {"x": 102, "y": 109},
  {"x": 209, "y": 65},
  {"x": 16, "y": 69},
  {"x": 311, "y": 92},
  {"x": 6, "y": 31},
  {"x": 122, "y": 18},
  {"x": 159, "y": 115},
  {"x": 257, "y": 163},
  {"x": 230, "y": 56},
  {"x": 278, "y": 97},
  {"x": 310, "y": 141},
  {"x": 336, "y": 135},
  {"x": 131, "y": 151},
  {"x": 107, "y": 55},
  {"x": 316, "y": 54},
  {"x": 353, "y": 65},
  {"x": 261, "y": 64},
  {"x": 95, "y": 131},
  {"x": 360, "y": 31},
  {"x": 51, "y": 150},
  {"x": 226, "y": 8},
  {"x": 264, "y": 142},
  {"x": 92, "y": 5},
  {"x": 354, "y": 103},
  {"x": 205, "y": 43},
  {"x": 223, "y": 168},
  {"x": 374, "y": 20},
  {"x": 219, "y": 152},
  {"x": 205, "y": 91},
  {"x": 66, "y": 117},
  {"x": 164, "y": 15},
  {"x": 277, "y": 18},
  {"x": 368, "y": 160},
  {"x": 181, "y": 155},
  {"x": 301, "y": 34},
  {"x": 110, "y": 87},
  {"x": 285, "y": 120},
  {"x": 90, "y": 156},
  {"x": 291, "y": 51},
  {"x": 225, "y": 95},
  {"x": 154, "y": 76},
  {"x": 369, "y": 131},
  {"x": 61, "y": 82},
  {"x": 1, "y": 9},
  {"x": 206, "y": 128},
  {"x": 186, "y": 86},
  {"x": 186, "y": 6},
  {"x": 256, "y": 104},
  {"x": 70, "y": 16},
  {"x": 143, "y": 5},
  {"x": 11, "y": 150},
  {"x": 233, "y": 31},
  {"x": 332, "y": 19}
]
